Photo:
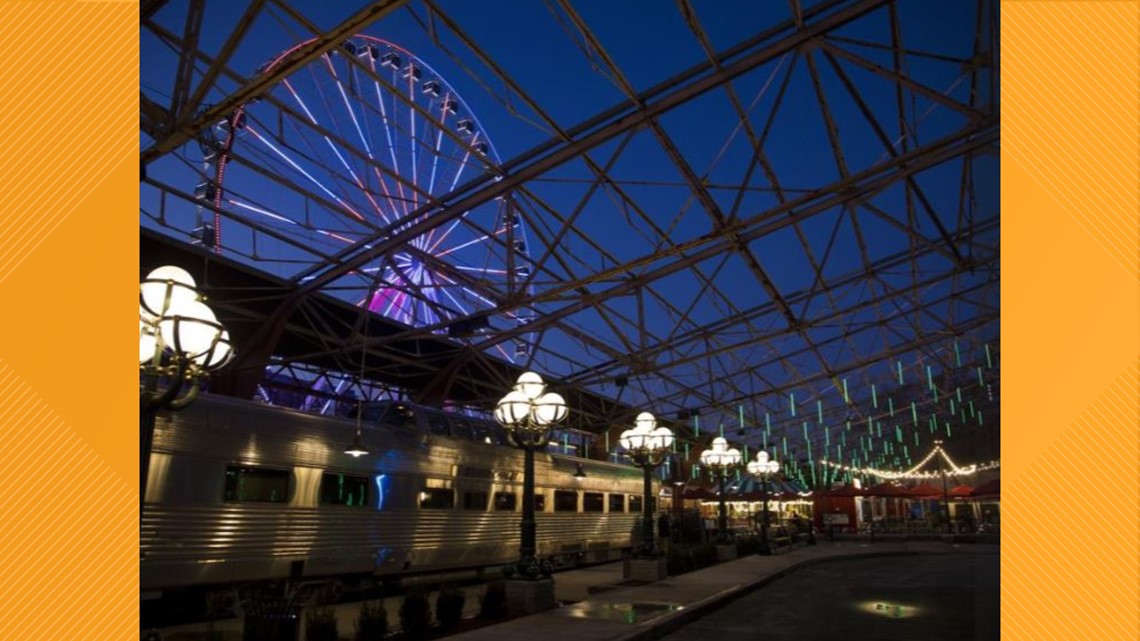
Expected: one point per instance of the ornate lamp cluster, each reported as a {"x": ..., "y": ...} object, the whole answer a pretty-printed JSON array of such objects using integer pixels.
[
  {"x": 646, "y": 445},
  {"x": 720, "y": 458},
  {"x": 764, "y": 469},
  {"x": 527, "y": 414},
  {"x": 180, "y": 341},
  {"x": 180, "y": 338}
]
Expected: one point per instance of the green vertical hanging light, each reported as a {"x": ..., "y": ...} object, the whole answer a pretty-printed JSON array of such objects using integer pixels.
[
  {"x": 696, "y": 425},
  {"x": 914, "y": 412},
  {"x": 891, "y": 405},
  {"x": 819, "y": 409},
  {"x": 901, "y": 382},
  {"x": 792, "y": 403},
  {"x": 957, "y": 354},
  {"x": 981, "y": 381},
  {"x": 874, "y": 397},
  {"x": 989, "y": 361},
  {"x": 846, "y": 398},
  {"x": 929, "y": 378},
  {"x": 958, "y": 393}
]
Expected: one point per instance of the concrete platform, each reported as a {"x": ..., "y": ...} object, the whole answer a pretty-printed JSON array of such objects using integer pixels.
[
  {"x": 599, "y": 604},
  {"x": 657, "y": 609}
]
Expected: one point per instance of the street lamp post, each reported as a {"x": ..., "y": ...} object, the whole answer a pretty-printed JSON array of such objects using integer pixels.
[
  {"x": 527, "y": 414},
  {"x": 180, "y": 341},
  {"x": 646, "y": 445},
  {"x": 764, "y": 469},
  {"x": 720, "y": 459}
]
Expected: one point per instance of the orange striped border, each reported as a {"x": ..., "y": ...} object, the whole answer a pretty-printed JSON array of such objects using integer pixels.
[
  {"x": 68, "y": 264},
  {"x": 1070, "y": 316}
]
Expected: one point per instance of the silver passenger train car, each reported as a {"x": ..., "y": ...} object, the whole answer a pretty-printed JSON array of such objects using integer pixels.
[{"x": 241, "y": 493}]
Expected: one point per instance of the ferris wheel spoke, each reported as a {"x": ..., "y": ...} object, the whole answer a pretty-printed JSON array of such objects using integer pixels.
[
  {"x": 480, "y": 270},
  {"x": 454, "y": 182},
  {"x": 412, "y": 124},
  {"x": 336, "y": 151},
  {"x": 366, "y": 136},
  {"x": 299, "y": 169},
  {"x": 490, "y": 303},
  {"x": 391, "y": 142},
  {"x": 367, "y": 149},
  {"x": 469, "y": 243}
]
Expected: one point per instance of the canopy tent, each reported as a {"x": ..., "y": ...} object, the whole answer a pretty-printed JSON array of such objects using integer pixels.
[
  {"x": 888, "y": 490},
  {"x": 960, "y": 491},
  {"x": 991, "y": 490},
  {"x": 847, "y": 490},
  {"x": 925, "y": 491}
]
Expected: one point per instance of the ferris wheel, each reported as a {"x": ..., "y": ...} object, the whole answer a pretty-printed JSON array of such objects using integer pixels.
[{"x": 350, "y": 148}]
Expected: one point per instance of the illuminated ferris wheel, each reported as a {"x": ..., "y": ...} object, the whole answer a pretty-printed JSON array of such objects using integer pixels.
[{"x": 354, "y": 147}]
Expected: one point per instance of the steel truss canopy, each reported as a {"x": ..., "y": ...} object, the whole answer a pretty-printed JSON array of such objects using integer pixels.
[{"x": 775, "y": 221}]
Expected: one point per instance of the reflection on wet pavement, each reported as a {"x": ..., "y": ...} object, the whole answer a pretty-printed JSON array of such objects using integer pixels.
[{"x": 623, "y": 612}]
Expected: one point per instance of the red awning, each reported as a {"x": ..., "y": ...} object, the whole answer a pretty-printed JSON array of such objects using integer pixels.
[
  {"x": 961, "y": 491},
  {"x": 925, "y": 491},
  {"x": 987, "y": 490}
]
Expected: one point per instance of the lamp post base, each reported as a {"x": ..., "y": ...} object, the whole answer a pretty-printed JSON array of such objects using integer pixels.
[
  {"x": 528, "y": 596},
  {"x": 647, "y": 569}
]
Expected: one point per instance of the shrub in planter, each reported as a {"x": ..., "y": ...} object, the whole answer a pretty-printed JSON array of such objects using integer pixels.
[
  {"x": 415, "y": 615},
  {"x": 449, "y": 607},
  {"x": 320, "y": 625},
  {"x": 493, "y": 601},
  {"x": 372, "y": 622}
]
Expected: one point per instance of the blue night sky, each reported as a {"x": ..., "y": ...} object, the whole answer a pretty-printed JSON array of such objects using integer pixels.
[{"x": 650, "y": 42}]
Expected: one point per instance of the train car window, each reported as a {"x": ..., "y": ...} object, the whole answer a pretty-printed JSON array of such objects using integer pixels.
[
  {"x": 342, "y": 489},
  {"x": 437, "y": 498},
  {"x": 539, "y": 502},
  {"x": 505, "y": 501},
  {"x": 617, "y": 503},
  {"x": 565, "y": 501},
  {"x": 475, "y": 500},
  {"x": 593, "y": 502},
  {"x": 437, "y": 424},
  {"x": 635, "y": 504},
  {"x": 256, "y": 485}
]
